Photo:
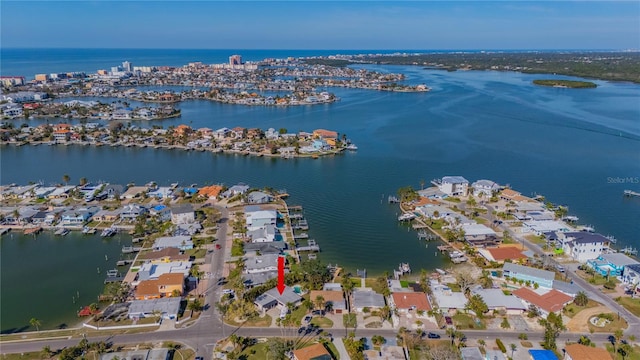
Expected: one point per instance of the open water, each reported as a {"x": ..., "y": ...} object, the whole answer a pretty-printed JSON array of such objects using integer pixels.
[{"x": 579, "y": 147}]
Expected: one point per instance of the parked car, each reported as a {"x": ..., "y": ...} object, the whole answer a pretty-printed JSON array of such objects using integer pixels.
[
  {"x": 307, "y": 319},
  {"x": 433, "y": 336},
  {"x": 218, "y": 246},
  {"x": 228, "y": 291},
  {"x": 448, "y": 320},
  {"x": 318, "y": 312}
]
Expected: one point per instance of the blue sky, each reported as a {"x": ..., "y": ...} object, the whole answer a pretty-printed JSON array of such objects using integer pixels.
[{"x": 321, "y": 24}]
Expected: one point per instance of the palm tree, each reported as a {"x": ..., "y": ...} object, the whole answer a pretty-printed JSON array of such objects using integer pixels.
[
  {"x": 319, "y": 302},
  {"x": 513, "y": 348},
  {"x": 46, "y": 352},
  {"x": 83, "y": 181},
  {"x": 618, "y": 334},
  {"x": 66, "y": 178},
  {"x": 452, "y": 334},
  {"x": 35, "y": 323}
]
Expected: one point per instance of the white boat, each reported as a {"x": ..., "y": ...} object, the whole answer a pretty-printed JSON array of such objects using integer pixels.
[
  {"x": 62, "y": 232},
  {"x": 441, "y": 272},
  {"x": 108, "y": 232},
  {"x": 406, "y": 217},
  {"x": 570, "y": 218},
  {"x": 352, "y": 147}
]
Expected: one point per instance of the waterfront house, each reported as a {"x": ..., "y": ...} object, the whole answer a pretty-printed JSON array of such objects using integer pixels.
[
  {"x": 485, "y": 188},
  {"x": 261, "y": 263},
  {"x": 240, "y": 188},
  {"x": 434, "y": 212},
  {"x": 153, "y": 270},
  {"x": 161, "y": 193},
  {"x": 165, "y": 285},
  {"x": 581, "y": 245},
  {"x": 272, "y": 298},
  {"x": 259, "y": 197},
  {"x": 60, "y": 192},
  {"x": 263, "y": 234},
  {"x": 500, "y": 254},
  {"x": 77, "y": 216},
  {"x": 405, "y": 302},
  {"x": 106, "y": 215},
  {"x": 61, "y": 135},
  {"x": 183, "y": 214},
  {"x": 210, "y": 192},
  {"x": 260, "y": 218},
  {"x": 325, "y": 134},
  {"x": 547, "y": 302},
  {"x": 167, "y": 308},
  {"x": 453, "y": 185},
  {"x": 312, "y": 352},
  {"x": 11, "y": 110},
  {"x": 432, "y": 193},
  {"x": 543, "y": 278},
  {"x": 545, "y": 226},
  {"x": 42, "y": 192},
  {"x": 479, "y": 235},
  {"x": 132, "y": 211},
  {"x": 238, "y": 132},
  {"x": 134, "y": 191},
  {"x": 334, "y": 300},
  {"x": 165, "y": 255},
  {"x": 366, "y": 299},
  {"x": 447, "y": 299},
  {"x": 611, "y": 264},
  {"x": 584, "y": 352},
  {"x": 264, "y": 248},
  {"x": 221, "y": 133},
  {"x": 180, "y": 242},
  {"x": 121, "y": 114},
  {"x": 509, "y": 195},
  {"x": 271, "y": 134},
  {"x": 497, "y": 300}
]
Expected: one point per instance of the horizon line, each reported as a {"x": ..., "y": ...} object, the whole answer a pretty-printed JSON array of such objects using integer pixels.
[{"x": 320, "y": 49}]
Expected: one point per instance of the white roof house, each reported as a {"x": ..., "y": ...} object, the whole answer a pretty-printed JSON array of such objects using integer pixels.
[
  {"x": 261, "y": 218},
  {"x": 448, "y": 299},
  {"x": 180, "y": 242},
  {"x": 168, "y": 308},
  {"x": 453, "y": 185},
  {"x": 545, "y": 226},
  {"x": 484, "y": 187},
  {"x": 152, "y": 271},
  {"x": 497, "y": 300}
]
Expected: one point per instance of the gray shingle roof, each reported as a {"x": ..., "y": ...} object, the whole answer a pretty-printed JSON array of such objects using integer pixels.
[{"x": 525, "y": 270}]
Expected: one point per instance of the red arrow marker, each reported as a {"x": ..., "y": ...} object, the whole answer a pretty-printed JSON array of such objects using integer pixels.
[{"x": 280, "y": 274}]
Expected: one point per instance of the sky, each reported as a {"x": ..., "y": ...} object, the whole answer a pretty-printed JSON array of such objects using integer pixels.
[{"x": 423, "y": 25}]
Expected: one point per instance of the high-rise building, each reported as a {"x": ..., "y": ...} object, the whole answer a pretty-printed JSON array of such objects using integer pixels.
[
  {"x": 235, "y": 60},
  {"x": 127, "y": 66}
]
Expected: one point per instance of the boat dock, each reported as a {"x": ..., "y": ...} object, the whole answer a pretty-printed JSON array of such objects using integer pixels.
[
  {"x": 130, "y": 249},
  {"x": 124, "y": 262},
  {"x": 300, "y": 236},
  {"x": 426, "y": 235},
  {"x": 631, "y": 193},
  {"x": 311, "y": 246},
  {"x": 4, "y": 230},
  {"x": 300, "y": 225},
  {"x": 33, "y": 230},
  {"x": 296, "y": 216},
  {"x": 61, "y": 232},
  {"x": 403, "y": 268},
  {"x": 392, "y": 200}
]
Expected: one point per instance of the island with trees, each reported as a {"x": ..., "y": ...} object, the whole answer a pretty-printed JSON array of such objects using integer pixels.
[{"x": 572, "y": 84}]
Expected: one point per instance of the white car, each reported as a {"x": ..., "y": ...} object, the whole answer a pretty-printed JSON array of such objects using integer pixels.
[{"x": 228, "y": 291}]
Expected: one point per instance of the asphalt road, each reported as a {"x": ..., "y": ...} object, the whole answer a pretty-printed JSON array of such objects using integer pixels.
[{"x": 209, "y": 328}]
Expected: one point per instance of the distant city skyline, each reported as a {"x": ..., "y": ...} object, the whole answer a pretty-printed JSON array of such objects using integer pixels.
[{"x": 321, "y": 25}]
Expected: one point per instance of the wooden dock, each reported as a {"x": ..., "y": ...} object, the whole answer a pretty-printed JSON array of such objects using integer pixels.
[
  {"x": 33, "y": 230},
  {"x": 301, "y": 236},
  {"x": 311, "y": 246}
]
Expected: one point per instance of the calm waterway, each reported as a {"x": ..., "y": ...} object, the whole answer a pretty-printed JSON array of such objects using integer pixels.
[{"x": 569, "y": 145}]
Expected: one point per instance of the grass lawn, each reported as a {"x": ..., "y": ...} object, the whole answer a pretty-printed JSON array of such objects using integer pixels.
[
  {"x": 526, "y": 344},
  {"x": 255, "y": 352},
  {"x": 197, "y": 253},
  {"x": 464, "y": 321},
  {"x": 610, "y": 327},
  {"x": 373, "y": 325},
  {"x": 572, "y": 309},
  {"x": 635, "y": 355},
  {"x": 322, "y": 322},
  {"x": 630, "y": 304},
  {"x": 332, "y": 349},
  {"x": 255, "y": 322}
]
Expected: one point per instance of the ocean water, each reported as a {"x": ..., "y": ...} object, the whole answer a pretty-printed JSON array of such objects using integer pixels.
[{"x": 579, "y": 147}]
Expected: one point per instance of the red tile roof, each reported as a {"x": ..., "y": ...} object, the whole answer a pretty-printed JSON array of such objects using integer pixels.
[
  {"x": 583, "y": 352},
  {"x": 405, "y": 300},
  {"x": 506, "y": 252},
  {"x": 552, "y": 301}
]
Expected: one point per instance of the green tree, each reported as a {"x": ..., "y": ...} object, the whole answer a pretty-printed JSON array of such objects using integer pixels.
[
  {"x": 477, "y": 304},
  {"x": 66, "y": 179},
  {"x": 617, "y": 335},
  {"x": 581, "y": 299},
  {"x": 83, "y": 181},
  {"x": 319, "y": 302},
  {"x": 46, "y": 352},
  {"x": 505, "y": 324},
  {"x": 378, "y": 340},
  {"x": 513, "y": 348},
  {"x": 347, "y": 286},
  {"x": 552, "y": 327},
  {"x": 35, "y": 323}
]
